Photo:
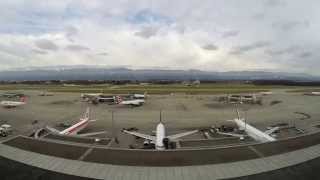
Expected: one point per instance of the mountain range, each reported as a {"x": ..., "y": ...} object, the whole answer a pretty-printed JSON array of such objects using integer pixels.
[{"x": 83, "y": 72}]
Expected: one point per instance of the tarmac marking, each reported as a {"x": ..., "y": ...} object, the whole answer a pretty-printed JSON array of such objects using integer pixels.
[
  {"x": 85, "y": 154},
  {"x": 8, "y": 139},
  {"x": 260, "y": 154},
  {"x": 178, "y": 144},
  {"x": 113, "y": 140},
  {"x": 218, "y": 171}
]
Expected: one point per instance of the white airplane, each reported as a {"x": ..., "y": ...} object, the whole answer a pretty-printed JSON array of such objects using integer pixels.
[
  {"x": 76, "y": 128},
  {"x": 160, "y": 140},
  {"x": 45, "y": 93},
  {"x": 314, "y": 93},
  {"x": 266, "y": 93},
  {"x": 139, "y": 96},
  {"x": 11, "y": 95},
  {"x": 104, "y": 98},
  {"x": 251, "y": 131},
  {"x": 12, "y": 104},
  {"x": 90, "y": 95},
  {"x": 133, "y": 102}
]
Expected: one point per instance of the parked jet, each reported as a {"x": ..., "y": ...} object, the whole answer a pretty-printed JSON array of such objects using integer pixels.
[
  {"x": 12, "y": 104},
  {"x": 76, "y": 128},
  {"x": 160, "y": 140},
  {"x": 251, "y": 131},
  {"x": 106, "y": 98},
  {"x": 266, "y": 93},
  {"x": 11, "y": 95},
  {"x": 139, "y": 96},
  {"x": 314, "y": 93},
  {"x": 131, "y": 102},
  {"x": 46, "y": 93},
  {"x": 90, "y": 95}
]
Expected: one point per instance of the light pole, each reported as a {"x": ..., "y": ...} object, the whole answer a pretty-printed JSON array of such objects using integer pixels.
[{"x": 114, "y": 128}]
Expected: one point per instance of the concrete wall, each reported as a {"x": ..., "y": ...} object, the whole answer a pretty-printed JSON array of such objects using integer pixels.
[
  {"x": 304, "y": 171},
  {"x": 176, "y": 157}
]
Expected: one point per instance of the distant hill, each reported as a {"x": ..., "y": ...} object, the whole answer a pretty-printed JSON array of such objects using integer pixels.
[{"x": 119, "y": 73}]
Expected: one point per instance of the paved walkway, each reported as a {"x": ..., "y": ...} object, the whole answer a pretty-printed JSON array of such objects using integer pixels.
[{"x": 199, "y": 172}]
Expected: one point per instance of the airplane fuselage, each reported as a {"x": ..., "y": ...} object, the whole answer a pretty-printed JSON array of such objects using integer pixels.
[
  {"x": 160, "y": 135},
  {"x": 9, "y": 104},
  {"x": 161, "y": 141},
  {"x": 315, "y": 93},
  {"x": 253, "y": 132},
  {"x": 136, "y": 102},
  {"x": 139, "y": 96}
]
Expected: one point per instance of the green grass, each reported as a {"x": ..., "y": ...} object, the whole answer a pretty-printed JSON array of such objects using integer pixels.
[
  {"x": 214, "y": 88},
  {"x": 305, "y": 90}
]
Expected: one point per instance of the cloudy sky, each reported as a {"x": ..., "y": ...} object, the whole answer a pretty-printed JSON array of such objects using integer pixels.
[{"x": 213, "y": 35}]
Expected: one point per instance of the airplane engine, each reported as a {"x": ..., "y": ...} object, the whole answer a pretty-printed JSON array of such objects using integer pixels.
[
  {"x": 146, "y": 143},
  {"x": 166, "y": 142}
]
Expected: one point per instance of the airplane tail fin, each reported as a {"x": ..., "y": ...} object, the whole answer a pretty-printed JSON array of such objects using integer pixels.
[
  {"x": 118, "y": 99},
  {"x": 87, "y": 113},
  {"x": 238, "y": 114},
  {"x": 160, "y": 120},
  {"x": 23, "y": 99}
]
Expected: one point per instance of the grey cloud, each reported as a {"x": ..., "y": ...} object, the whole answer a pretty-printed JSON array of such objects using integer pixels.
[
  {"x": 295, "y": 52},
  {"x": 46, "y": 45},
  {"x": 290, "y": 25},
  {"x": 77, "y": 48},
  {"x": 37, "y": 51},
  {"x": 230, "y": 34},
  {"x": 274, "y": 3},
  {"x": 19, "y": 51},
  {"x": 147, "y": 32},
  {"x": 278, "y": 52},
  {"x": 242, "y": 49},
  {"x": 103, "y": 54},
  {"x": 259, "y": 16},
  {"x": 181, "y": 29},
  {"x": 210, "y": 47},
  {"x": 71, "y": 31},
  {"x": 305, "y": 55}
]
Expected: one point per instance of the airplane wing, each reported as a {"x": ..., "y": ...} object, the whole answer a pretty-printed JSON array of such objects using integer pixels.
[
  {"x": 144, "y": 136},
  {"x": 270, "y": 131},
  {"x": 176, "y": 136},
  {"x": 232, "y": 134},
  {"x": 92, "y": 134},
  {"x": 51, "y": 129}
]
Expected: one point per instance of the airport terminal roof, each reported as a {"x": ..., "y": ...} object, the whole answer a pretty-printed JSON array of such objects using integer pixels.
[
  {"x": 77, "y": 161},
  {"x": 107, "y": 171}
]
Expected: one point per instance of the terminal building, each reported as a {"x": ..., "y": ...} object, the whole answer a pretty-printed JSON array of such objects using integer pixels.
[{"x": 244, "y": 98}]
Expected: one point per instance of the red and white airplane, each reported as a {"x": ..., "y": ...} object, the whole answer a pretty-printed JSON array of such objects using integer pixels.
[
  {"x": 132, "y": 102},
  {"x": 76, "y": 128},
  {"x": 12, "y": 104}
]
